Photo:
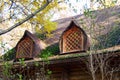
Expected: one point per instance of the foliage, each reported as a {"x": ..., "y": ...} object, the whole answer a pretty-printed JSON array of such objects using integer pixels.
[
  {"x": 41, "y": 35},
  {"x": 19, "y": 76},
  {"x": 110, "y": 39},
  {"x": 46, "y": 30},
  {"x": 7, "y": 69},
  {"x": 107, "y": 3},
  {"x": 22, "y": 61},
  {"x": 44, "y": 24},
  {"x": 37, "y": 12},
  {"x": 89, "y": 13},
  {"x": 36, "y": 64},
  {"x": 10, "y": 55},
  {"x": 49, "y": 51},
  {"x": 48, "y": 74}
]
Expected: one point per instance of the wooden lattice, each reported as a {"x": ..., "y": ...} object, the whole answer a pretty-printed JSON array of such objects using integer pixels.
[
  {"x": 25, "y": 48},
  {"x": 72, "y": 40}
]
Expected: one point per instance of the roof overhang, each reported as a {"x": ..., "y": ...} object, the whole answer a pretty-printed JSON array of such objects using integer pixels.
[{"x": 61, "y": 59}]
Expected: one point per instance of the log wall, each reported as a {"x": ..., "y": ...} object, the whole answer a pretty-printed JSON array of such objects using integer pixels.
[{"x": 69, "y": 71}]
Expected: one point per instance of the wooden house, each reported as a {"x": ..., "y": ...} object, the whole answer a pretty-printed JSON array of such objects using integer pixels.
[
  {"x": 103, "y": 64},
  {"x": 29, "y": 46},
  {"x": 70, "y": 67},
  {"x": 73, "y": 39}
]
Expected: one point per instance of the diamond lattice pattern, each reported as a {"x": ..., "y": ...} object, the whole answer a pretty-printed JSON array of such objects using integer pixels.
[
  {"x": 73, "y": 41},
  {"x": 25, "y": 48}
]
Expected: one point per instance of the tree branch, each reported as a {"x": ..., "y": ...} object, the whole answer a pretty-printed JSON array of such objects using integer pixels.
[{"x": 26, "y": 19}]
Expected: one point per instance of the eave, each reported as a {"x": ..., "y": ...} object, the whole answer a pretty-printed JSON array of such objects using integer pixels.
[{"x": 58, "y": 59}]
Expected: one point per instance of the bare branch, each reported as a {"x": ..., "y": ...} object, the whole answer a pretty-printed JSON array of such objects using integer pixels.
[
  {"x": 11, "y": 4},
  {"x": 26, "y": 19},
  {"x": 7, "y": 18}
]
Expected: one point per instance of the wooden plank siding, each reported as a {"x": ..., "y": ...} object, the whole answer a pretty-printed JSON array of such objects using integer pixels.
[{"x": 69, "y": 71}]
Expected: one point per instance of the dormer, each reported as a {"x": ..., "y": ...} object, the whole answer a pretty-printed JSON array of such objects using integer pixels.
[
  {"x": 73, "y": 39},
  {"x": 29, "y": 46}
]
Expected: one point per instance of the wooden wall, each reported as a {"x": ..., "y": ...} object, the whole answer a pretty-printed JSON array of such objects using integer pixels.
[{"x": 69, "y": 71}]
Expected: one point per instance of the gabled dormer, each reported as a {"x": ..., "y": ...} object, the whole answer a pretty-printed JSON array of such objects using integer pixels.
[
  {"x": 29, "y": 46},
  {"x": 73, "y": 39}
]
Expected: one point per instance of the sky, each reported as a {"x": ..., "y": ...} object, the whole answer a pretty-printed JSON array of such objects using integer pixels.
[
  {"x": 72, "y": 8},
  {"x": 75, "y": 7},
  {"x": 78, "y": 5}
]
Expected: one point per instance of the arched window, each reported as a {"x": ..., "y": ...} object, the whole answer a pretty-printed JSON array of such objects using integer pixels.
[
  {"x": 73, "y": 40},
  {"x": 25, "y": 48},
  {"x": 28, "y": 47}
]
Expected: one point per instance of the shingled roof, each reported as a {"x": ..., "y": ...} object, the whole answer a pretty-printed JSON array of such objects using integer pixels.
[
  {"x": 107, "y": 19},
  {"x": 104, "y": 21}
]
